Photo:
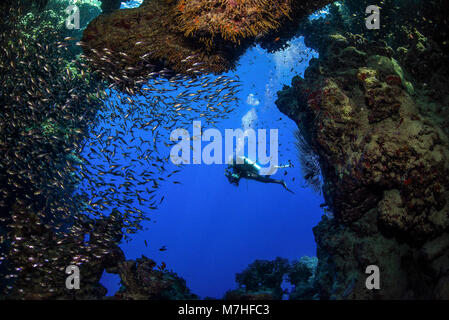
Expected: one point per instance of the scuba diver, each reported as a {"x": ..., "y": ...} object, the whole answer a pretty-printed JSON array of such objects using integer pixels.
[{"x": 251, "y": 170}]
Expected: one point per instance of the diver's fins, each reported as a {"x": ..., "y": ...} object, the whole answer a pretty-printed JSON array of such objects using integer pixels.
[{"x": 286, "y": 188}]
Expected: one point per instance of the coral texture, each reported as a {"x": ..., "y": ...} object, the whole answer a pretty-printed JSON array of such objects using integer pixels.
[
  {"x": 231, "y": 19},
  {"x": 148, "y": 34},
  {"x": 264, "y": 280},
  {"x": 142, "y": 279},
  {"x": 180, "y": 35},
  {"x": 375, "y": 121}
]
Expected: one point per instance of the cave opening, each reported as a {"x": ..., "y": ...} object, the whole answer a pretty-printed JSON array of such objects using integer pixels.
[{"x": 213, "y": 230}]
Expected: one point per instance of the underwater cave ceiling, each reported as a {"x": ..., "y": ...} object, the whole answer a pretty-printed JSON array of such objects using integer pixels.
[{"x": 212, "y": 35}]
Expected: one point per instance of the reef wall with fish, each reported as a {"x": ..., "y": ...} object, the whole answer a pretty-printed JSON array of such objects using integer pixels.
[
  {"x": 47, "y": 105},
  {"x": 56, "y": 207},
  {"x": 374, "y": 108}
]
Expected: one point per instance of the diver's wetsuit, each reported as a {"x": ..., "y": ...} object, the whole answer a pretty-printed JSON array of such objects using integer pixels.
[
  {"x": 266, "y": 179},
  {"x": 250, "y": 170}
]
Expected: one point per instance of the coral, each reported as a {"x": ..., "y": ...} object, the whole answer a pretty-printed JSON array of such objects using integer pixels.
[
  {"x": 344, "y": 252},
  {"x": 42, "y": 230},
  {"x": 309, "y": 163},
  {"x": 302, "y": 277},
  {"x": 11, "y": 7},
  {"x": 181, "y": 35},
  {"x": 372, "y": 107},
  {"x": 231, "y": 20},
  {"x": 243, "y": 294},
  {"x": 262, "y": 280},
  {"x": 141, "y": 280},
  {"x": 377, "y": 125},
  {"x": 148, "y": 35},
  {"x": 43, "y": 257}
]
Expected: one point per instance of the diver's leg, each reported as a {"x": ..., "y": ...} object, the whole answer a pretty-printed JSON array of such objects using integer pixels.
[
  {"x": 285, "y": 186},
  {"x": 267, "y": 179}
]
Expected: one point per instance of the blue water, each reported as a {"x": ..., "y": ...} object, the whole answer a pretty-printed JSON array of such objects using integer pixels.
[{"x": 212, "y": 229}]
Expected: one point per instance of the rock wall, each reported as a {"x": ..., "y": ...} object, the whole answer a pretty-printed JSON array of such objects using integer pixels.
[
  {"x": 181, "y": 35},
  {"x": 374, "y": 108}
]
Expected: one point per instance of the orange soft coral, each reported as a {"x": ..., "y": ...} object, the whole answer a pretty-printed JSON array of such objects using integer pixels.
[{"x": 231, "y": 20}]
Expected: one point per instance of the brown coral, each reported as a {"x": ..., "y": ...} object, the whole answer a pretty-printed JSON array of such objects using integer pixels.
[
  {"x": 148, "y": 34},
  {"x": 213, "y": 33}
]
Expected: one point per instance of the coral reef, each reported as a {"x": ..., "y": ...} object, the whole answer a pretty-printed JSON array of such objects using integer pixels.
[
  {"x": 142, "y": 279},
  {"x": 14, "y": 6},
  {"x": 180, "y": 35},
  {"x": 374, "y": 109},
  {"x": 263, "y": 275},
  {"x": 263, "y": 280},
  {"x": 43, "y": 257},
  {"x": 42, "y": 123},
  {"x": 148, "y": 34},
  {"x": 302, "y": 277},
  {"x": 48, "y": 102},
  {"x": 231, "y": 19},
  {"x": 310, "y": 164}
]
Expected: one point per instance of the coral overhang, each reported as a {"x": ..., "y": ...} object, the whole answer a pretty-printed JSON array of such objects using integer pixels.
[{"x": 215, "y": 33}]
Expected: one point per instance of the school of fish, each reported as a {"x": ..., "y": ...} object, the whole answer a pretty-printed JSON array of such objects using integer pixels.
[{"x": 85, "y": 150}]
